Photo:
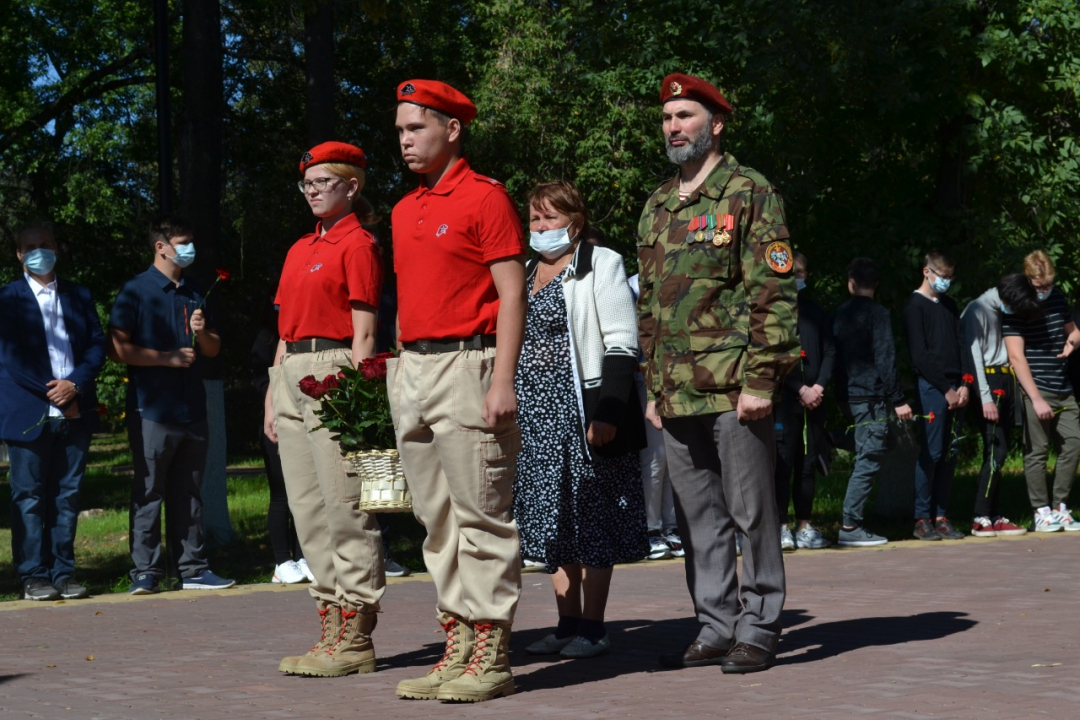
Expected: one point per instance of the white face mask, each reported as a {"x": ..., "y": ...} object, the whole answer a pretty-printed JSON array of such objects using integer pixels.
[
  {"x": 551, "y": 243},
  {"x": 185, "y": 254}
]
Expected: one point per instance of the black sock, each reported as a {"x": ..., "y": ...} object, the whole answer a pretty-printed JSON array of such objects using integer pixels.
[
  {"x": 567, "y": 627},
  {"x": 591, "y": 630}
]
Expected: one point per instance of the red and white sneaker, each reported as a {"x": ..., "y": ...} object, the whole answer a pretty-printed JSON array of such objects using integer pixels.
[
  {"x": 983, "y": 526},
  {"x": 1002, "y": 526}
]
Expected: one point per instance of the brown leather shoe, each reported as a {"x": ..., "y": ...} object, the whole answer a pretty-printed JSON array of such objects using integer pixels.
[
  {"x": 696, "y": 654},
  {"x": 747, "y": 658}
]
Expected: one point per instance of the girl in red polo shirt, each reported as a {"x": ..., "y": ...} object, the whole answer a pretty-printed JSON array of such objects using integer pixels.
[{"x": 328, "y": 297}]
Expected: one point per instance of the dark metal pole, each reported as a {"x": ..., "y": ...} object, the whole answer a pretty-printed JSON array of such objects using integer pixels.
[{"x": 161, "y": 62}]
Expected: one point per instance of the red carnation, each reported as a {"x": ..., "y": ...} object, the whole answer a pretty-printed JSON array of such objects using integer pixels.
[
  {"x": 330, "y": 382},
  {"x": 930, "y": 417},
  {"x": 341, "y": 374},
  {"x": 802, "y": 354},
  {"x": 310, "y": 387},
  {"x": 968, "y": 378},
  {"x": 223, "y": 274},
  {"x": 999, "y": 392}
]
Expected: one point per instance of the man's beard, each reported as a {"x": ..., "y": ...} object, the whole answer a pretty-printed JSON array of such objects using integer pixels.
[{"x": 698, "y": 148}]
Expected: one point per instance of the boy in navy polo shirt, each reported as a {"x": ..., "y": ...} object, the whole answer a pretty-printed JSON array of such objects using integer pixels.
[{"x": 159, "y": 329}]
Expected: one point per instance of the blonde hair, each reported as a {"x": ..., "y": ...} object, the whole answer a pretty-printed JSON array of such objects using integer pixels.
[
  {"x": 1038, "y": 266},
  {"x": 365, "y": 213}
]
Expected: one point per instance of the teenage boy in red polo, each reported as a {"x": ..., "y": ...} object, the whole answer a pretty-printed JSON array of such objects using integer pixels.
[{"x": 459, "y": 257}]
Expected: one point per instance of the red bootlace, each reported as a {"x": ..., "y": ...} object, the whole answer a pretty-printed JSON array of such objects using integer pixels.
[
  {"x": 324, "y": 618},
  {"x": 345, "y": 617},
  {"x": 451, "y": 641},
  {"x": 483, "y": 633}
]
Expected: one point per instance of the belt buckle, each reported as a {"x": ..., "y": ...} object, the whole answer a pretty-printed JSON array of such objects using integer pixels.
[{"x": 423, "y": 346}]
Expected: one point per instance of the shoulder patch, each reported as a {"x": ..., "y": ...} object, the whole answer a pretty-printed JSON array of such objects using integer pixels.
[{"x": 779, "y": 257}]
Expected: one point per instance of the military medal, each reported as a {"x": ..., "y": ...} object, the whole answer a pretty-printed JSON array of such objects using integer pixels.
[
  {"x": 724, "y": 237},
  {"x": 710, "y": 234}
]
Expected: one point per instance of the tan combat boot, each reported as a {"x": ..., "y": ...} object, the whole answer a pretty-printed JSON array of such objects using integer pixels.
[
  {"x": 488, "y": 675},
  {"x": 353, "y": 652},
  {"x": 459, "y": 650},
  {"x": 330, "y": 617}
]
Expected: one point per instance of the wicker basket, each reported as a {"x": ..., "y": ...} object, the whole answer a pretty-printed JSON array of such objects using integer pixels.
[{"x": 383, "y": 487}]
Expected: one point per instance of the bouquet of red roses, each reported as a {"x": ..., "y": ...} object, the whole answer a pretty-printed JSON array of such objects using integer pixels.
[{"x": 354, "y": 406}]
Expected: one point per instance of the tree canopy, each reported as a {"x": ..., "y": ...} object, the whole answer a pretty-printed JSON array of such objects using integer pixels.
[{"x": 890, "y": 128}]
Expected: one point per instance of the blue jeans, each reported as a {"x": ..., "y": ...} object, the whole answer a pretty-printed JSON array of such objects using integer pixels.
[
  {"x": 937, "y": 455},
  {"x": 871, "y": 420},
  {"x": 45, "y": 477}
]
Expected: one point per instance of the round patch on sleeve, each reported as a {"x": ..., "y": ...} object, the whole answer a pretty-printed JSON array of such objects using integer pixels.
[{"x": 778, "y": 256}]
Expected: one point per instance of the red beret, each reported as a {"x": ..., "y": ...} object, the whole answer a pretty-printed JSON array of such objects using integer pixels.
[
  {"x": 687, "y": 87},
  {"x": 333, "y": 152},
  {"x": 437, "y": 96}
]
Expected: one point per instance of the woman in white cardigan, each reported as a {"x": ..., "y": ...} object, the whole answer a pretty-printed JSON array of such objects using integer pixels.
[{"x": 578, "y": 498}]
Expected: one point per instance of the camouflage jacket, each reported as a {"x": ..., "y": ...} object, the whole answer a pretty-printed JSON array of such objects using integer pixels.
[{"x": 716, "y": 316}]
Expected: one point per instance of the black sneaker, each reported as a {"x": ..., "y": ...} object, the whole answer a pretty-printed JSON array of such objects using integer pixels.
[
  {"x": 39, "y": 589},
  {"x": 947, "y": 530},
  {"x": 925, "y": 531},
  {"x": 71, "y": 590},
  {"x": 144, "y": 584}
]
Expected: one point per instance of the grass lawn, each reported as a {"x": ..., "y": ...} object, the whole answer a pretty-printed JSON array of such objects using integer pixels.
[{"x": 101, "y": 547}]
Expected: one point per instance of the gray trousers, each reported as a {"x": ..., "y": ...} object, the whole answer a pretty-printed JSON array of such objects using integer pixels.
[
  {"x": 169, "y": 461},
  {"x": 1066, "y": 425},
  {"x": 722, "y": 475}
]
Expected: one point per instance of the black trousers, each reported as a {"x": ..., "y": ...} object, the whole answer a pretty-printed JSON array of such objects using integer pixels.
[
  {"x": 796, "y": 458},
  {"x": 995, "y": 438}
]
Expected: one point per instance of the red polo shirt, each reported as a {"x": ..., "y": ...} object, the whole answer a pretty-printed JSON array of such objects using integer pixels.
[
  {"x": 322, "y": 275},
  {"x": 444, "y": 238}
]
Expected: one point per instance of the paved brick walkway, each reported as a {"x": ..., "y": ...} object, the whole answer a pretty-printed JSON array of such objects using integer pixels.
[{"x": 973, "y": 628}]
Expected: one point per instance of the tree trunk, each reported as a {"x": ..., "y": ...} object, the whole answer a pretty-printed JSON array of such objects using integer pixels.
[{"x": 319, "y": 72}]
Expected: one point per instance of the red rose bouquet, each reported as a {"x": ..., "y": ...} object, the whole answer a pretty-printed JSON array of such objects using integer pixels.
[{"x": 354, "y": 406}]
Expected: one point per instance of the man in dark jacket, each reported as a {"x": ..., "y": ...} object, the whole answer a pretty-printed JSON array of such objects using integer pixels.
[
  {"x": 51, "y": 350},
  {"x": 800, "y": 419},
  {"x": 866, "y": 386}
]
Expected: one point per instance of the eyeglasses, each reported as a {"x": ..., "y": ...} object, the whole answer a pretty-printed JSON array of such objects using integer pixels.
[
  {"x": 1043, "y": 287},
  {"x": 319, "y": 184},
  {"x": 943, "y": 277}
]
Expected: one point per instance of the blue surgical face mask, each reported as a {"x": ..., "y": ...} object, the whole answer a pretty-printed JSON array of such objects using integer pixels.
[
  {"x": 185, "y": 254},
  {"x": 1005, "y": 308},
  {"x": 40, "y": 261},
  {"x": 1043, "y": 295},
  {"x": 800, "y": 284},
  {"x": 940, "y": 284},
  {"x": 551, "y": 243}
]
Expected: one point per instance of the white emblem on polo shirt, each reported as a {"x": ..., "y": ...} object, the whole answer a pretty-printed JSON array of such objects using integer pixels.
[
  {"x": 442, "y": 230},
  {"x": 316, "y": 266}
]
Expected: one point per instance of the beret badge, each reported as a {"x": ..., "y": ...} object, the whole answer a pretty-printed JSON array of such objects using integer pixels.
[
  {"x": 409, "y": 89},
  {"x": 307, "y": 157},
  {"x": 676, "y": 88}
]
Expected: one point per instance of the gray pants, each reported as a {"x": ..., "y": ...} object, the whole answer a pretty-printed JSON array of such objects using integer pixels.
[
  {"x": 722, "y": 475},
  {"x": 169, "y": 462},
  {"x": 1066, "y": 425}
]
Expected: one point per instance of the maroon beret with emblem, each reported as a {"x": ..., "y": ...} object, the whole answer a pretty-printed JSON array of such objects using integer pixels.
[
  {"x": 678, "y": 86},
  {"x": 437, "y": 96},
  {"x": 333, "y": 152}
]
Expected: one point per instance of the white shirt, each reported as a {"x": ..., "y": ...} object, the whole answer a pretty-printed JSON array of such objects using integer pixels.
[{"x": 61, "y": 358}]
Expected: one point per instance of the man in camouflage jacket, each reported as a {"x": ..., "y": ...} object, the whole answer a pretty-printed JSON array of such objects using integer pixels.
[{"x": 717, "y": 323}]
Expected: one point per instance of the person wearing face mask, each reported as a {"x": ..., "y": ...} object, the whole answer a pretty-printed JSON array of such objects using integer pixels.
[
  {"x": 328, "y": 297},
  {"x": 159, "y": 328},
  {"x": 51, "y": 350},
  {"x": 578, "y": 498},
  {"x": 981, "y": 322},
  {"x": 801, "y": 404},
  {"x": 943, "y": 371},
  {"x": 1039, "y": 348}
]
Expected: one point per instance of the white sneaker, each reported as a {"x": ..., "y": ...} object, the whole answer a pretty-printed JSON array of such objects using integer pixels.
[
  {"x": 658, "y": 549},
  {"x": 811, "y": 538},
  {"x": 1046, "y": 521},
  {"x": 288, "y": 573},
  {"x": 671, "y": 537},
  {"x": 1064, "y": 518},
  {"x": 787, "y": 540},
  {"x": 305, "y": 569}
]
